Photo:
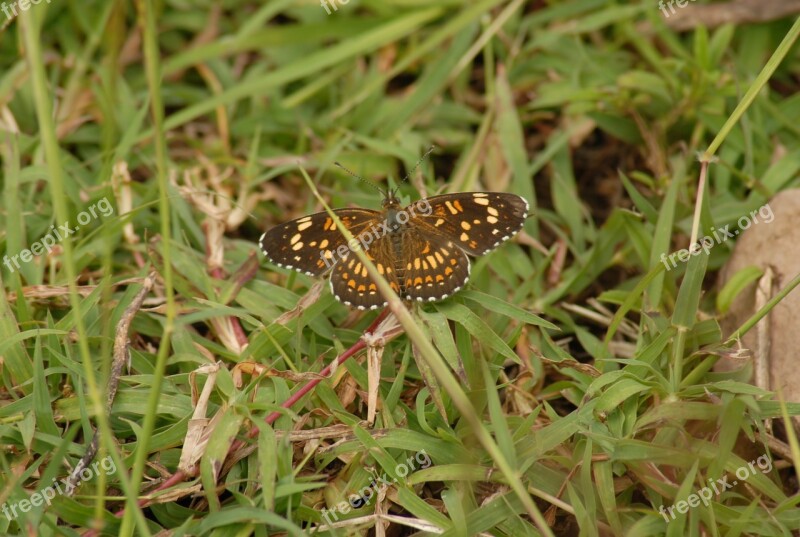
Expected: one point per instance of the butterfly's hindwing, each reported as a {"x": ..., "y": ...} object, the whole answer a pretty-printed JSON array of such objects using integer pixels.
[
  {"x": 435, "y": 268},
  {"x": 310, "y": 244},
  {"x": 350, "y": 281}
]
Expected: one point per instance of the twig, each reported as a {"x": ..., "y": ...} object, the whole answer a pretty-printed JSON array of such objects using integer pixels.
[{"x": 120, "y": 358}]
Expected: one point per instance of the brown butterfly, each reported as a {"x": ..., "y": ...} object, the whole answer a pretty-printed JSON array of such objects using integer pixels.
[{"x": 420, "y": 249}]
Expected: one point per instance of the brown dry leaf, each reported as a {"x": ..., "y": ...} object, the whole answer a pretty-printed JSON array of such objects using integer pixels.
[
  {"x": 374, "y": 356},
  {"x": 376, "y": 342},
  {"x": 735, "y": 12},
  {"x": 121, "y": 183},
  {"x": 200, "y": 427},
  {"x": 176, "y": 493},
  {"x": 8, "y": 122},
  {"x": 771, "y": 245},
  {"x": 227, "y": 334},
  {"x": 586, "y": 369},
  {"x": 347, "y": 391},
  {"x": 43, "y": 292},
  {"x": 225, "y": 203},
  {"x": 255, "y": 369},
  {"x": 213, "y": 191}
]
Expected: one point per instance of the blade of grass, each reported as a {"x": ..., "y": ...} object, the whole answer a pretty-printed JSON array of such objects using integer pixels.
[
  {"x": 755, "y": 88},
  {"x": 146, "y": 19},
  {"x": 436, "y": 363},
  {"x": 30, "y": 29}
]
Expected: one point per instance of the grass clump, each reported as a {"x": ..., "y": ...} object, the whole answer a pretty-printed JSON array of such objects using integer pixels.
[{"x": 568, "y": 390}]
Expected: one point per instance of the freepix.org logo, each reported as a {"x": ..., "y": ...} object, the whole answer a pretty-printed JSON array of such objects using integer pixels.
[
  {"x": 721, "y": 235},
  {"x": 324, "y": 4},
  {"x": 705, "y": 494},
  {"x": 24, "y": 5},
  {"x": 671, "y": 5},
  {"x": 362, "y": 498},
  {"x": 46, "y": 494},
  {"x": 366, "y": 238},
  {"x": 48, "y": 241}
]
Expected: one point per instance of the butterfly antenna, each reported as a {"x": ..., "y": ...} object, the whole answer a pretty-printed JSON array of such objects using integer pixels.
[
  {"x": 370, "y": 183},
  {"x": 423, "y": 157}
]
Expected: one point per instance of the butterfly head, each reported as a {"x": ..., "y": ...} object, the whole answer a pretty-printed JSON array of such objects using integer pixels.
[
  {"x": 391, "y": 207},
  {"x": 390, "y": 199}
]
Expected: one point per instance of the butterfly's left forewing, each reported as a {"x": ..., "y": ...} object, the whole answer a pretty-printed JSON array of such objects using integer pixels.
[{"x": 309, "y": 244}]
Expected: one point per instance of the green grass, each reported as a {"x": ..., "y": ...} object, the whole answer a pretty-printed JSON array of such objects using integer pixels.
[{"x": 568, "y": 390}]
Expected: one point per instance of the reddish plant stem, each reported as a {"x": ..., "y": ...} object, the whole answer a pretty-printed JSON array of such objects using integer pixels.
[
  {"x": 357, "y": 346},
  {"x": 182, "y": 475}
]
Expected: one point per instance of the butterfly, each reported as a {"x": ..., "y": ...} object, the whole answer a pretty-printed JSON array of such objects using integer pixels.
[{"x": 422, "y": 249}]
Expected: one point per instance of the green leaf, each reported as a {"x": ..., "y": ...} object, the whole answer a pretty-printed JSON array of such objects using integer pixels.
[
  {"x": 735, "y": 285},
  {"x": 480, "y": 330}
]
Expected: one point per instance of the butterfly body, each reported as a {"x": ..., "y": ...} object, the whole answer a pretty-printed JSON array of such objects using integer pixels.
[{"x": 420, "y": 249}]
